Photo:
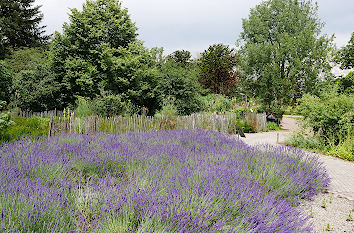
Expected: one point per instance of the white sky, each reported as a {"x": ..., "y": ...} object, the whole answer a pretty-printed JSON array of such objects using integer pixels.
[{"x": 195, "y": 24}]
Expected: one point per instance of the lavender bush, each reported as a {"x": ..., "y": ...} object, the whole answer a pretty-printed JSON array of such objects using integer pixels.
[{"x": 164, "y": 181}]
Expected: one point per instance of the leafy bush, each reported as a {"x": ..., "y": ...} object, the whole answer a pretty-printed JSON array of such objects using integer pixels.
[
  {"x": 245, "y": 126},
  {"x": 329, "y": 115},
  {"x": 84, "y": 107},
  {"x": 109, "y": 104},
  {"x": 170, "y": 113},
  {"x": 33, "y": 127},
  {"x": 216, "y": 103},
  {"x": 346, "y": 84},
  {"x": 5, "y": 82},
  {"x": 345, "y": 149},
  {"x": 5, "y": 123},
  {"x": 308, "y": 142},
  {"x": 180, "y": 83},
  {"x": 273, "y": 126}
]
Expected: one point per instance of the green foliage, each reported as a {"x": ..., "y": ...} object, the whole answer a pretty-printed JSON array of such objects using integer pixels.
[
  {"x": 98, "y": 49},
  {"x": 330, "y": 114},
  {"x": 33, "y": 127},
  {"x": 26, "y": 59},
  {"x": 83, "y": 107},
  {"x": 346, "y": 54},
  {"x": 180, "y": 83},
  {"x": 182, "y": 57},
  {"x": 108, "y": 104},
  {"x": 34, "y": 86},
  {"x": 170, "y": 113},
  {"x": 5, "y": 123},
  {"x": 5, "y": 82},
  {"x": 345, "y": 148},
  {"x": 282, "y": 53},
  {"x": 306, "y": 142},
  {"x": 20, "y": 26},
  {"x": 346, "y": 84},
  {"x": 36, "y": 89},
  {"x": 245, "y": 126},
  {"x": 216, "y": 103},
  {"x": 273, "y": 126},
  {"x": 217, "y": 69}
]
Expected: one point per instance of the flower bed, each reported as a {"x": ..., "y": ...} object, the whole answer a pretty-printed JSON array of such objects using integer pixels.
[{"x": 163, "y": 181}]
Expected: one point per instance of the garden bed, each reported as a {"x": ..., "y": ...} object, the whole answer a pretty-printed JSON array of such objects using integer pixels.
[{"x": 162, "y": 181}]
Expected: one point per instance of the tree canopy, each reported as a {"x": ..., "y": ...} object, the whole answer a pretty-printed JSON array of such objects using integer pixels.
[
  {"x": 283, "y": 53},
  {"x": 217, "y": 69},
  {"x": 98, "y": 50},
  {"x": 346, "y": 54},
  {"x": 20, "y": 25}
]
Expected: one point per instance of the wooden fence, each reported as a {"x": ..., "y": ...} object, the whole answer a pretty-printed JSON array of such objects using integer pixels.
[{"x": 138, "y": 123}]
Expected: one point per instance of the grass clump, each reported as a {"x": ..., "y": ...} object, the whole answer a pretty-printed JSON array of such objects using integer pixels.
[{"x": 33, "y": 127}]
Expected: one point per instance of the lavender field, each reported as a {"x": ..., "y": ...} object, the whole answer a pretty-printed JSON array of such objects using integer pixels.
[{"x": 163, "y": 181}]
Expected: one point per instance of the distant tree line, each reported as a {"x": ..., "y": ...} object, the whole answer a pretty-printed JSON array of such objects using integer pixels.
[{"x": 98, "y": 60}]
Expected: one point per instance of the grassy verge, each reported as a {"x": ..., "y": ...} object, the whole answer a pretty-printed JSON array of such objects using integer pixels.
[{"x": 344, "y": 149}]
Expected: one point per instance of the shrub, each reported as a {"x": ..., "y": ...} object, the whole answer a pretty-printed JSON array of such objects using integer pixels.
[
  {"x": 245, "y": 126},
  {"x": 170, "y": 113},
  {"x": 180, "y": 83},
  {"x": 273, "y": 126},
  {"x": 33, "y": 127},
  {"x": 329, "y": 115},
  {"x": 216, "y": 103},
  {"x": 5, "y": 123},
  {"x": 84, "y": 107},
  {"x": 306, "y": 142}
]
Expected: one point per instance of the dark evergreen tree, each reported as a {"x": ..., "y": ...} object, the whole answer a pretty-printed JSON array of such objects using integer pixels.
[{"x": 20, "y": 25}]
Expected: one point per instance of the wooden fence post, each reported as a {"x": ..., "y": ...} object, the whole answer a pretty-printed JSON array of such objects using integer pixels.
[{"x": 50, "y": 127}]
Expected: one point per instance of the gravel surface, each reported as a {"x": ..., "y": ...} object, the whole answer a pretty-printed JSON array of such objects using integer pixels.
[{"x": 338, "y": 202}]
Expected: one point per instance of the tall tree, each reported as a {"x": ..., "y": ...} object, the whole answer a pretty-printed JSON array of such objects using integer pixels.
[
  {"x": 20, "y": 25},
  {"x": 181, "y": 56},
  {"x": 5, "y": 82},
  {"x": 98, "y": 52},
  {"x": 33, "y": 85},
  {"x": 346, "y": 54},
  {"x": 283, "y": 53},
  {"x": 217, "y": 69}
]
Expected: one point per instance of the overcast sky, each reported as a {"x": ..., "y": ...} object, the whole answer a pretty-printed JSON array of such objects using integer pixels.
[{"x": 195, "y": 24}]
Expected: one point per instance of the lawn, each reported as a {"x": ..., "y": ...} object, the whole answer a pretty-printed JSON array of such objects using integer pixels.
[{"x": 162, "y": 181}]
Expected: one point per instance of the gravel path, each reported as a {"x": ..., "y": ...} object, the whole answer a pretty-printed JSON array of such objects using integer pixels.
[{"x": 330, "y": 211}]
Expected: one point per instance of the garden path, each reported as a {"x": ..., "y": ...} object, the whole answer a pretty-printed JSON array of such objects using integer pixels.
[
  {"x": 339, "y": 202},
  {"x": 341, "y": 172}
]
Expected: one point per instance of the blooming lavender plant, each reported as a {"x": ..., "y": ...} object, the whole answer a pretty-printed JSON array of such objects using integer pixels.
[{"x": 163, "y": 181}]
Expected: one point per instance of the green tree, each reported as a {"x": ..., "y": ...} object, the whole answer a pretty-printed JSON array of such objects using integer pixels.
[
  {"x": 178, "y": 83},
  {"x": 217, "y": 69},
  {"x": 5, "y": 83},
  {"x": 282, "y": 55},
  {"x": 34, "y": 86},
  {"x": 20, "y": 26},
  {"x": 98, "y": 50},
  {"x": 181, "y": 56},
  {"x": 346, "y": 54}
]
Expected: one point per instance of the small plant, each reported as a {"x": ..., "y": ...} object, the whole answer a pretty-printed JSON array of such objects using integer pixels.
[
  {"x": 330, "y": 199},
  {"x": 324, "y": 203},
  {"x": 328, "y": 227},
  {"x": 312, "y": 214},
  {"x": 273, "y": 126},
  {"x": 350, "y": 217}
]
